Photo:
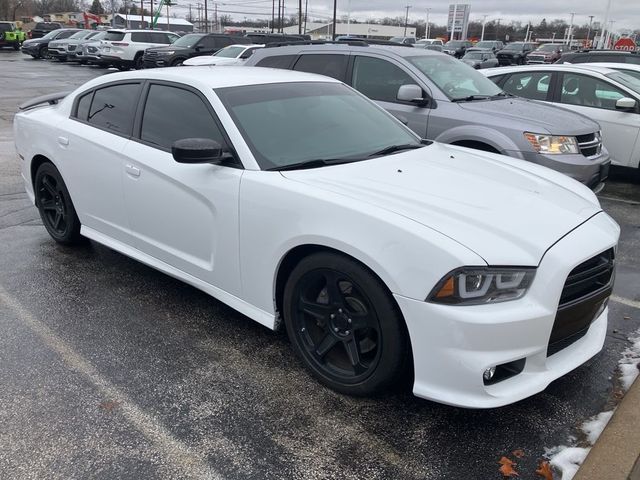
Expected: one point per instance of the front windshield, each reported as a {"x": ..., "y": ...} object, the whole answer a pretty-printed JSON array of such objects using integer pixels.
[
  {"x": 473, "y": 56},
  {"x": 514, "y": 46},
  {"x": 51, "y": 34},
  {"x": 456, "y": 79},
  {"x": 290, "y": 123},
  {"x": 80, "y": 34},
  {"x": 5, "y": 27},
  {"x": 627, "y": 78},
  {"x": 485, "y": 44},
  {"x": 229, "y": 52},
  {"x": 188, "y": 40}
]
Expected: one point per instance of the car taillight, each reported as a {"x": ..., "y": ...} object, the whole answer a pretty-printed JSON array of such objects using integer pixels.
[
  {"x": 119, "y": 44},
  {"x": 30, "y": 34}
]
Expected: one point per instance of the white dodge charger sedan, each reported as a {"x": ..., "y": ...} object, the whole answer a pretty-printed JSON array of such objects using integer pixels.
[{"x": 294, "y": 199}]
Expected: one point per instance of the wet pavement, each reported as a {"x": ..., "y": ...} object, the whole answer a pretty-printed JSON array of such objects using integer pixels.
[{"x": 109, "y": 369}]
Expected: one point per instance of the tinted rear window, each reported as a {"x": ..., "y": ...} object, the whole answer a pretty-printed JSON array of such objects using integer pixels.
[
  {"x": 114, "y": 36},
  {"x": 143, "y": 37},
  {"x": 113, "y": 107},
  {"x": 334, "y": 66}
]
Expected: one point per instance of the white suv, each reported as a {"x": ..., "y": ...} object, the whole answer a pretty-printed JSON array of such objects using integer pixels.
[{"x": 124, "y": 48}]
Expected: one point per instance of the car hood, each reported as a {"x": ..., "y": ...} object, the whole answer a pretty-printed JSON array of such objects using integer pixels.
[
  {"x": 211, "y": 60},
  {"x": 532, "y": 114},
  {"x": 505, "y": 214},
  {"x": 168, "y": 48},
  {"x": 35, "y": 40}
]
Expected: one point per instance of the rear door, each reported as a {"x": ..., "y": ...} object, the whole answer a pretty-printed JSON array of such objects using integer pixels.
[
  {"x": 379, "y": 79},
  {"x": 332, "y": 65}
]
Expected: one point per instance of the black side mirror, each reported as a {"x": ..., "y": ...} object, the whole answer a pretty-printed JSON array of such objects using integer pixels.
[{"x": 196, "y": 150}]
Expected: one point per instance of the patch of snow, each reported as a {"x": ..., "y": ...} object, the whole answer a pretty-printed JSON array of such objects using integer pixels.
[
  {"x": 567, "y": 460},
  {"x": 595, "y": 425},
  {"x": 629, "y": 362}
]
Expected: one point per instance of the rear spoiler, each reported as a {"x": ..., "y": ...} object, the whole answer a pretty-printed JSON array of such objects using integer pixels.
[{"x": 51, "y": 99}]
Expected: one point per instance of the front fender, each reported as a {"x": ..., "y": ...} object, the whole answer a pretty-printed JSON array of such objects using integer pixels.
[{"x": 478, "y": 133}]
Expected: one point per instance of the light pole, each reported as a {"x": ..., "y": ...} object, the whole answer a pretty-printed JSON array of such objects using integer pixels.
[
  {"x": 604, "y": 26},
  {"x": 589, "y": 31},
  {"x": 570, "y": 32},
  {"x": 349, "y": 18},
  {"x": 484, "y": 23},
  {"x": 406, "y": 19},
  {"x": 426, "y": 25}
]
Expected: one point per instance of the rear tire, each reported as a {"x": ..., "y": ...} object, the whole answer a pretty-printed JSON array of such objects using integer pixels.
[
  {"x": 55, "y": 206},
  {"x": 122, "y": 67},
  {"x": 138, "y": 63},
  {"x": 344, "y": 325}
]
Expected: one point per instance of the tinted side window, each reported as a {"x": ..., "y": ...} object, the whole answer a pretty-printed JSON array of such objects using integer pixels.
[
  {"x": 280, "y": 61},
  {"x": 582, "y": 58},
  {"x": 83, "y": 106},
  {"x": 222, "y": 42},
  {"x": 207, "y": 43},
  {"x": 589, "y": 92},
  {"x": 113, "y": 107},
  {"x": 159, "y": 37},
  {"x": 334, "y": 66},
  {"x": 379, "y": 79},
  {"x": 190, "y": 117},
  {"x": 142, "y": 37},
  {"x": 528, "y": 85}
]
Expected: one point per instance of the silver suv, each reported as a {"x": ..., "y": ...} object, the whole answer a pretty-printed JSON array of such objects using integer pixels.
[{"x": 442, "y": 99}]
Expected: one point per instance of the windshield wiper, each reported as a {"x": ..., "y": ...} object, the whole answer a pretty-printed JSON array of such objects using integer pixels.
[
  {"x": 471, "y": 98},
  {"x": 396, "y": 148},
  {"x": 316, "y": 163},
  {"x": 502, "y": 94}
]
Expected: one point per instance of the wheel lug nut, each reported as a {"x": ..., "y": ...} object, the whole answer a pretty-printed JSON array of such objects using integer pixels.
[
  {"x": 339, "y": 310},
  {"x": 333, "y": 316},
  {"x": 348, "y": 320},
  {"x": 336, "y": 329},
  {"x": 347, "y": 332}
]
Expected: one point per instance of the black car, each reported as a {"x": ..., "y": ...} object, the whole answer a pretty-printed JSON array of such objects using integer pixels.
[
  {"x": 515, "y": 53},
  {"x": 587, "y": 56},
  {"x": 42, "y": 28},
  {"x": 457, "y": 48},
  {"x": 267, "y": 38},
  {"x": 190, "y": 45},
  {"x": 39, "y": 47}
]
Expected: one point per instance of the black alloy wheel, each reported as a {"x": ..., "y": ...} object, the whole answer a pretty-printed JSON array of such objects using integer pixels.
[
  {"x": 138, "y": 62},
  {"x": 43, "y": 52},
  {"x": 343, "y": 323},
  {"x": 55, "y": 206}
]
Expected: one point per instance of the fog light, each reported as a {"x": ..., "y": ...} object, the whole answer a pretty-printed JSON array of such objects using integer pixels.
[{"x": 489, "y": 373}]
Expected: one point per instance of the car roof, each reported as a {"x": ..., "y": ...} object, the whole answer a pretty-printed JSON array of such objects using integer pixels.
[
  {"x": 132, "y": 30},
  {"x": 564, "y": 67},
  {"x": 402, "y": 51},
  {"x": 613, "y": 65},
  {"x": 214, "y": 78}
]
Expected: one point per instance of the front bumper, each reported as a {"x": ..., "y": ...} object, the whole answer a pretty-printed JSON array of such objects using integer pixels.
[
  {"x": 453, "y": 345},
  {"x": 590, "y": 171},
  {"x": 31, "y": 49}
]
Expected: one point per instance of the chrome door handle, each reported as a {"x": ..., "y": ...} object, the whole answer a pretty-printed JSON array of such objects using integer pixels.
[
  {"x": 133, "y": 171},
  {"x": 63, "y": 141}
]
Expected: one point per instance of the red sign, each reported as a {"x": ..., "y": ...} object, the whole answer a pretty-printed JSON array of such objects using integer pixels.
[{"x": 625, "y": 44}]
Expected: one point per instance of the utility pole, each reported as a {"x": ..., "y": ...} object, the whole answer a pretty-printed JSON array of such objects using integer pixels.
[
  {"x": 484, "y": 23},
  {"x": 498, "y": 28},
  {"x": 215, "y": 18},
  {"x": 273, "y": 13},
  {"x": 426, "y": 25},
  {"x": 589, "y": 31},
  {"x": 349, "y": 17},
  {"x": 570, "y": 32},
  {"x": 113, "y": 13},
  {"x": 299, "y": 16},
  {"x": 526, "y": 35},
  {"x": 141, "y": 14},
  {"x": 306, "y": 9},
  {"x": 152, "y": 15},
  {"x": 206, "y": 16},
  {"x": 335, "y": 10},
  {"x": 453, "y": 22},
  {"x": 406, "y": 20},
  {"x": 279, "y": 21}
]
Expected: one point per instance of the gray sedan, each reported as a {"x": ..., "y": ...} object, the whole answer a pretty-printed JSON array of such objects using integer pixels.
[{"x": 480, "y": 59}]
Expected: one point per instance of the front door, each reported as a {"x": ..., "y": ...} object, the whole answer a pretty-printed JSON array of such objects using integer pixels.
[{"x": 184, "y": 215}]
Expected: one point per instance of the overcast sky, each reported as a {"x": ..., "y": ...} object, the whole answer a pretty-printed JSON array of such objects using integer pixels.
[{"x": 625, "y": 13}]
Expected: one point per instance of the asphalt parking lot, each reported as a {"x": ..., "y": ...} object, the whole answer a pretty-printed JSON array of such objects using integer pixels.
[{"x": 109, "y": 369}]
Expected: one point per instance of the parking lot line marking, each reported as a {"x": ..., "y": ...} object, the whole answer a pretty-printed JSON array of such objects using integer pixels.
[
  {"x": 177, "y": 452},
  {"x": 625, "y": 301}
]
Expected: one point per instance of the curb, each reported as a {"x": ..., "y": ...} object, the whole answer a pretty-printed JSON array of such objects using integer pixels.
[{"x": 616, "y": 454}]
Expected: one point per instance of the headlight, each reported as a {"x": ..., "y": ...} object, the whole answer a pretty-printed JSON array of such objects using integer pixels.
[
  {"x": 478, "y": 285},
  {"x": 552, "y": 144},
  {"x": 167, "y": 52}
]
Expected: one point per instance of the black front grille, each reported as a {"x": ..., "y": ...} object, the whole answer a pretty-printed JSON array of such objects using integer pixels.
[
  {"x": 590, "y": 144},
  {"x": 72, "y": 48},
  {"x": 588, "y": 277},
  {"x": 583, "y": 298},
  {"x": 150, "y": 55}
]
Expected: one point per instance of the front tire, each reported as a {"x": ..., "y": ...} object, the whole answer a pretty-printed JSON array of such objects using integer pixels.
[
  {"x": 344, "y": 325},
  {"x": 43, "y": 52},
  {"x": 55, "y": 206}
]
